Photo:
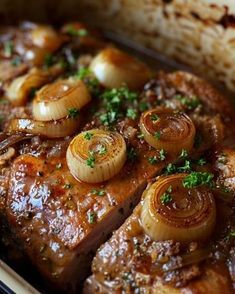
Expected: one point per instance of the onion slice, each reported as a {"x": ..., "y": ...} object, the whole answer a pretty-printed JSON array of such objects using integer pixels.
[
  {"x": 171, "y": 211},
  {"x": 164, "y": 129},
  {"x": 51, "y": 129},
  {"x": 45, "y": 37},
  {"x": 96, "y": 156},
  {"x": 113, "y": 68},
  {"x": 54, "y": 100},
  {"x": 19, "y": 90}
]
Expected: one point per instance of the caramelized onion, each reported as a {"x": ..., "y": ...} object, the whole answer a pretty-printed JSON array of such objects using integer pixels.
[
  {"x": 171, "y": 211},
  {"x": 113, "y": 68},
  {"x": 54, "y": 100},
  {"x": 51, "y": 129},
  {"x": 164, "y": 129},
  {"x": 45, "y": 37},
  {"x": 96, "y": 156},
  {"x": 20, "y": 88}
]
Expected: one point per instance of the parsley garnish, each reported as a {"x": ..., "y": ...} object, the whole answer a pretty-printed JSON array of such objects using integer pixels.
[
  {"x": 73, "y": 112},
  {"x": 222, "y": 158},
  {"x": 83, "y": 73},
  {"x": 88, "y": 136},
  {"x": 131, "y": 113},
  {"x": 201, "y": 162},
  {"x": 8, "y": 48},
  {"x": 114, "y": 102},
  {"x": 170, "y": 169},
  {"x": 67, "y": 186},
  {"x": 190, "y": 102},
  {"x": 91, "y": 159},
  {"x": 49, "y": 60},
  {"x": 154, "y": 117},
  {"x": 98, "y": 192},
  {"x": 183, "y": 153},
  {"x": 166, "y": 197},
  {"x": 186, "y": 167},
  {"x": 196, "y": 179},
  {"x": 102, "y": 150},
  {"x": 232, "y": 234},
  {"x": 59, "y": 165},
  {"x": 131, "y": 154},
  {"x": 153, "y": 159},
  {"x": 76, "y": 32},
  {"x": 86, "y": 75},
  {"x": 143, "y": 106},
  {"x": 157, "y": 135},
  {"x": 16, "y": 61},
  {"x": 92, "y": 217},
  {"x": 162, "y": 154}
]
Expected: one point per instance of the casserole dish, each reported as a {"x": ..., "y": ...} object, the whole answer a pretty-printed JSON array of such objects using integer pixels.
[{"x": 73, "y": 218}]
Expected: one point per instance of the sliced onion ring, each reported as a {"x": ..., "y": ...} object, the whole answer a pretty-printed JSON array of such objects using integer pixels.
[
  {"x": 53, "y": 101},
  {"x": 164, "y": 129},
  {"x": 45, "y": 37},
  {"x": 19, "y": 89},
  {"x": 113, "y": 68},
  {"x": 189, "y": 216},
  {"x": 106, "y": 149},
  {"x": 51, "y": 129}
]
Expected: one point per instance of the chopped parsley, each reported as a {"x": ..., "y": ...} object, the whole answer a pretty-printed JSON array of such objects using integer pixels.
[
  {"x": 183, "y": 153},
  {"x": 102, "y": 150},
  {"x": 186, "y": 167},
  {"x": 49, "y": 60},
  {"x": 162, "y": 154},
  {"x": 92, "y": 216},
  {"x": 16, "y": 61},
  {"x": 71, "y": 30},
  {"x": 91, "y": 160},
  {"x": 157, "y": 135},
  {"x": 85, "y": 74},
  {"x": 222, "y": 158},
  {"x": 8, "y": 48},
  {"x": 140, "y": 136},
  {"x": 143, "y": 106},
  {"x": 67, "y": 186},
  {"x": 98, "y": 192},
  {"x": 155, "y": 159},
  {"x": 154, "y": 117},
  {"x": 59, "y": 165},
  {"x": 201, "y": 161},
  {"x": 166, "y": 197},
  {"x": 189, "y": 102},
  {"x": 114, "y": 101},
  {"x": 131, "y": 113},
  {"x": 131, "y": 154},
  {"x": 195, "y": 179},
  {"x": 73, "y": 112},
  {"x": 88, "y": 136},
  {"x": 232, "y": 234},
  {"x": 170, "y": 169}
]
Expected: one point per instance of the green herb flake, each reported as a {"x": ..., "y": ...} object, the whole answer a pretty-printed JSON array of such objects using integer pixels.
[
  {"x": 83, "y": 73},
  {"x": 153, "y": 159},
  {"x": 183, "y": 153},
  {"x": 232, "y": 234},
  {"x": 157, "y": 135},
  {"x": 76, "y": 32},
  {"x": 190, "y": 102},
  {"x": 196, "y": 179},
  {"x": 131, "y": 154},
  {"x": 59, "y": 165},
  {"x": 140, "y": 136},
  {"x": 102, "y": 150},
  {"x": 16, "y": 61},
  {"x": 67, "y": 186},
  {"x": 48, "y": 60},
  {"x": 73, "y": 112},
  {"x": 154, "y": 117},
  {"x": 186, "y": 167},
  {"x": 143, "y": 106},
  {"x": 166, "y": 197},
  {"x": 91, "y": 160},
  {"x": 8, "y": 48},
  {"x": 88, "y": 136},
  {"x": 162, "y": 154},
  {"x": 201, "y": 161},
  {"x": 92, "y": 216},
  {"x": 98, "y": 192},
  {"x": 222, "y": 158},
  {"x": 131, "y": 113},
  {"x": 170, "y": 169}
]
